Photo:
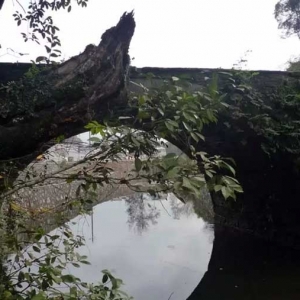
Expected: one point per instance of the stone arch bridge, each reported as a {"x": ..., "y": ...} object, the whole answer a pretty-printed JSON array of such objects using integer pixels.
[{"x": 269, "y": 206}]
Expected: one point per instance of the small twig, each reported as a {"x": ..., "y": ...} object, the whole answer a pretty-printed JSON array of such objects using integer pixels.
[
  {"x": 166, "y": 212},
  {"x": 170, "y": 295},
  {"x": 21, "y": 6}
]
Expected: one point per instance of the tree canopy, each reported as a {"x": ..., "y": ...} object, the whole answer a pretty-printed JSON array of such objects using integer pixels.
[{"x": 287, "y": 13}]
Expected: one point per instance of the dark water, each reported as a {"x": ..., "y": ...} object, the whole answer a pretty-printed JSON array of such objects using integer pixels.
[
  {"x": 163, "y": 250},
  {"x": 245, "y": 267}
]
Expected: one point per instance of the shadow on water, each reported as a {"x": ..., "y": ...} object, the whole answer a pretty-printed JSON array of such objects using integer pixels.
[{"x": 244, "y": 267}]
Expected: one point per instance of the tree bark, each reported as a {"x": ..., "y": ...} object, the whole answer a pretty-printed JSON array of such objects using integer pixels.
[{"x": 103, "y": 68}]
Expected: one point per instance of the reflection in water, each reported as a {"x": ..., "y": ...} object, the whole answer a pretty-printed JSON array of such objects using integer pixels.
[
  {"x": 165, "y": 255},
  {"x": 179, "y": 208},
  {"x": 243, "y": 267},
  {"x": 163, "y": 250},
  {"x": 141, "y": 213}
]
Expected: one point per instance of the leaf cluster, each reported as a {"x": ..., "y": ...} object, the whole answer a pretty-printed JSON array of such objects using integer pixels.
[
  {"x": 272, "y": 116},
  {"x": 41, "y": 25},
  {"x": 287, "y": 13},
  {"x": 38, "y": 271}
]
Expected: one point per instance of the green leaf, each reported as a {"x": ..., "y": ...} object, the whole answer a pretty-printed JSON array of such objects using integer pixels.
[
  {"x": 141, "y": 100},
  {"x": 187, "y": 126},
  {"x": 173, "y": 172},
  {"x": 135, "y": 141},
  {"x": 169, "y": 94},
  {"x": 229, "y": 167},
  {"x": 48, "y": 49},
  {"x": 143, "y": 115},
  {"x": 170, "y": 156},
  {"x": 238, "y": 189},
  {"x": 95, "y": 128},
  {"x": 138, "y": 164},
  {"x": 73, "y": 292},
  {"x": 189, "y": 117},
  {"x": 200, "y": 136},
  {"x": 160, "y": 111},
  {"x": 213, "y": 87},
  {"x": 40, "y": 58},
  {"x": 218, "y": 187},
  {"x": 56, "y": 279},
  {"x": 209, "y": 173},
  {"x": 227, "y": 192},
  {"x": 173, "y": 123},
  {"x": 186, "y": 183},
  {"x": 54, "y": 55},
  {"x": 36, "y": 249},
  {"x": 76, "y": 265},
  {"x": 104, "y": 278},
  {"x": 68, "y": 278},
  {"x": 116, "y": 283},
  {"x": 195, "y": 137},
  {"x": 169, "y": 126},
  {"x": 39, "y": 296},
  {"x": 200, "y": 179},
  {"x": 21, "y": 276}
]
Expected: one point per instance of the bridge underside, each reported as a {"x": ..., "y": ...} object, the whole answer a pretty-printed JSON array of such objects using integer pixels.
[{"x": 270, "y": 205}]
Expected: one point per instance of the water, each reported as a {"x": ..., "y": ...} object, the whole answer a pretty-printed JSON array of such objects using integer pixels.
[
  {"x": 160, "y": 248},
  {"x": 163, "y": 249},
  {"x": 243, "y": 267},
  {"x": 176, "y": 255}
]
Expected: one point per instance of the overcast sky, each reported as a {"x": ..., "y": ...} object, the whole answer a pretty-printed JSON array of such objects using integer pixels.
[{"x": 170, "y": 33}]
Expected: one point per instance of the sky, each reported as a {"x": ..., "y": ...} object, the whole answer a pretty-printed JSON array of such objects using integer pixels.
[{"x": 169, "y": 33}]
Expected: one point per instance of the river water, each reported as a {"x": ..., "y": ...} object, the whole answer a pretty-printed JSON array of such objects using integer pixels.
[
  {"x": 159, "y": 248},
  {"x": 163, "y": 250},
  {"x": 166, "y": 250}
]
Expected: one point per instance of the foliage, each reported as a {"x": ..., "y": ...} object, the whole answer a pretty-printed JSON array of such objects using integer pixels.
[
  {"x": 35, "y": 261},
  {"x": 273, "y": 116},
  {"x": 38, "y": 271},
  {"x": 174, "y": 112},
  {"x": 294, "y": 65},
  {"x": 24, "y": 98},
  {"x": 287, "y": 13},
  {"x": 41, "y": 25},
  {"x": 182, "y": 176}
]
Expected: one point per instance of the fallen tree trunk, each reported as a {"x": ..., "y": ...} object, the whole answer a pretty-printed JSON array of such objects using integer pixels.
[{"x": 84, "y": 88}]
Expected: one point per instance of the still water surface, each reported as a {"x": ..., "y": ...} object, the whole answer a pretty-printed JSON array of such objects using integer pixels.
[
  {"x": 163, "y": 250},
  {"x": 159, "y": 248}
]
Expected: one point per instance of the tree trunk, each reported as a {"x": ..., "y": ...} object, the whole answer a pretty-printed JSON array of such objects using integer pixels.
[{"x": 102, "y": 72}]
